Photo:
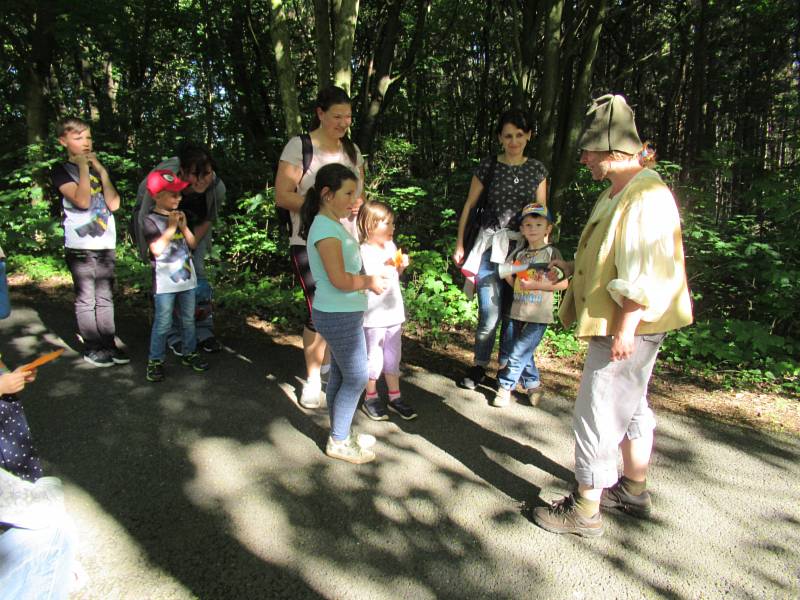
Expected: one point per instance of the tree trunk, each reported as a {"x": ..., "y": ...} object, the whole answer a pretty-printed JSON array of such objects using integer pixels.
[
  {"x": 279, "y": 32},
  {"x": 565, "y": 164},
  {"x": 255, "y": 132},
  {"x": 694, "y": 120},
  {"x": 551, "y": 76},
  {"x": 322, "y": 35},
  {"x": 346, "y": 13},
  {"x": 37, "y": 70},
  {"x": 381, "y": 75}
]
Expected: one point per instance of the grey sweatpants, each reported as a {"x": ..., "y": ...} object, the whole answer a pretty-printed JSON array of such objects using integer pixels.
[{"x": 611, "y": 403}]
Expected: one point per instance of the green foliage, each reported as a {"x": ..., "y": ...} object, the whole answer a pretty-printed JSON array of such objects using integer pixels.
[
  {"x": 29, "y": 226},
  {"x": 740, "y": 352},
  {"x": 432, "y": 299},
  {"x": 38, "y": 268},
  {"x": 249, "y": 239},
  {"x": 561, "y": 342},
  {"x": 277, "y": 299}
]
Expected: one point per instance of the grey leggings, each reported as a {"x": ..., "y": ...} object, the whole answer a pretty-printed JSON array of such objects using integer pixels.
[{"x": 93, "y": 278}]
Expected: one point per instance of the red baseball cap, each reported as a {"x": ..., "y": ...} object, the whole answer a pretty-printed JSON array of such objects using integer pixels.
[{"x": 164, "y": 180}]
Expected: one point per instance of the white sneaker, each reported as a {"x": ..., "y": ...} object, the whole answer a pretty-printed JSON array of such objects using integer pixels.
[
  {"x": 535, "y": 395},
  {"x": 310, "y": 396},
  {"x": 502, "y": 398},
  {"x": 351, "y": 450},
  {"x": 366, "y": 440}
]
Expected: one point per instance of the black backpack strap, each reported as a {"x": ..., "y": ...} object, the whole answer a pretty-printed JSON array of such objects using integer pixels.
[
  {"x": 308, "y": 152},
  {"x": 284, "y": 218}
]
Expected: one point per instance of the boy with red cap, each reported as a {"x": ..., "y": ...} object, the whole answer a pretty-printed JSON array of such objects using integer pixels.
[{"x": 170, "y": 241}]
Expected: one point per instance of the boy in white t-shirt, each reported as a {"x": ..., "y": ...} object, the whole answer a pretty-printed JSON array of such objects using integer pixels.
[
  {"x": 88, "y": 199},
  {"x": 170, "y": 240},
  {"x": 384, "y": 317}
]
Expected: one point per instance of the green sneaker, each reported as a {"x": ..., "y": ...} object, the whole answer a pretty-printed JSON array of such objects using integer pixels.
[
  {"x": 155, "y": 370},
  {"x": 195, "y": 362},
  {"x": 562, "y": 517}
]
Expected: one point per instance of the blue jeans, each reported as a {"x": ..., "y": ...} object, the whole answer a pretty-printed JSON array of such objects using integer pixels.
[
  {"x": 5, "y": 304},
  {"x": 162, "y": 321},
  {"x": 344, "y": 334},
  {"x": 36, "y": 563},
  {"x": 494, "y": 298},
  {"x": 517, "y": 347},
  {"x": 204, "y": 320}
]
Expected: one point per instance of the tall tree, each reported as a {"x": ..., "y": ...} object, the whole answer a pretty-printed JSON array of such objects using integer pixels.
[
  {"x": 381, "y": 79},
  {"x": 346, "y": 16},
  {"x": 279, "y": 31}
]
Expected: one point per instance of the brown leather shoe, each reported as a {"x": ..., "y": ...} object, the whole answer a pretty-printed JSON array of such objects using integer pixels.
[
  {"x": 616, "y": 497},
  {"x": 562, "y": 517}
]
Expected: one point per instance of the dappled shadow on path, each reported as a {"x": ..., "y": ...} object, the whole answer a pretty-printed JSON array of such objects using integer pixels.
[{"x": 208, "y": 476}]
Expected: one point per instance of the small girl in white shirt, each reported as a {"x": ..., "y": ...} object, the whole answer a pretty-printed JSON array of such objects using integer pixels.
[{"x": 383, "y": 321}]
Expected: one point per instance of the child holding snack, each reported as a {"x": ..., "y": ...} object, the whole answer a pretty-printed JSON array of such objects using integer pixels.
[
  {"x": 531, "y": 308},
  {"x": 88, "y": 199},
  {"x": 383, "y": 320},
  {"x": 339, "y": 303}
]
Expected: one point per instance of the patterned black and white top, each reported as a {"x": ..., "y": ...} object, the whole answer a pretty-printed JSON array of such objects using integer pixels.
[{"x": 512, "y": 188}]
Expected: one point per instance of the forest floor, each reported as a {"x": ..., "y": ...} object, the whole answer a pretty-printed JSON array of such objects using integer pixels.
[{"x": 754, "y": 406}]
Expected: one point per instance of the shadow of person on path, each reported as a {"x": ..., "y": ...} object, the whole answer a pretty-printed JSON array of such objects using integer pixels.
[{"x": 271, "y": 518}]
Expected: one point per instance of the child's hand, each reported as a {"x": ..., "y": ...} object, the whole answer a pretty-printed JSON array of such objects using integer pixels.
[
  {"x": 174, "y": 219},
  {"x": 11, "y": 383},
  {"x": 377, "y": 283},
  {"x": 95, "y": 162},
  {"x": 181, "y": 219},
  {"x": 565, "y": 268},
  {"x": 82, "y": 160}
]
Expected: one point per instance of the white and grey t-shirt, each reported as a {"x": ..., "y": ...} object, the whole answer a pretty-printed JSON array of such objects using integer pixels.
[
  {"x": 173, "y": 270},
  {"x": 85, "y": 229}
]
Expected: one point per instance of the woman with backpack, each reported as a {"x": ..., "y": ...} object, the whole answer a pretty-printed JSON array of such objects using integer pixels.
[
  {"x": 302, "y": 157},
  {"x": 512, "y": 181}
]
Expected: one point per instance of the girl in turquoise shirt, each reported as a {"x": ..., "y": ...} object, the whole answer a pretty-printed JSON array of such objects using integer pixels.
[{"x": 339, "y": 303}]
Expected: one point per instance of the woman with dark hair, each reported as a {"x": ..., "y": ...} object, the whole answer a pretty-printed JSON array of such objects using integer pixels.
[
  {"x": 329, "y": 143},
  {"x": 514, "y": 180}
]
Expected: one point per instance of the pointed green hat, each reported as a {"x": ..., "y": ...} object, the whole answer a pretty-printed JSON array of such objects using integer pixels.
[{"x": 609, "y": 126}]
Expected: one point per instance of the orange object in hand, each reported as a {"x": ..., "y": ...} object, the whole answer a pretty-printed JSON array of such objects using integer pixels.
[
  {"x": 522, "y": 275},
  {"x": 398, "y": 258},
  {"x": 42, "y": 360}
]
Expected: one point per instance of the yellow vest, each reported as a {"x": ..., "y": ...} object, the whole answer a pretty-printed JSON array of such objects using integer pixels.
[{"x": 588, "y": 301}]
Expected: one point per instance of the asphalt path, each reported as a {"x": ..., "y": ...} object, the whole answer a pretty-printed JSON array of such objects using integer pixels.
[{"x": 216, "y": 486}]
